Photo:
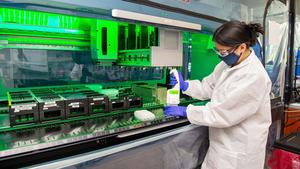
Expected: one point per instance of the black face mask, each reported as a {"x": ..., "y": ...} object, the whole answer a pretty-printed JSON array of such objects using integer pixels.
[{"x": 231, "y": 59}]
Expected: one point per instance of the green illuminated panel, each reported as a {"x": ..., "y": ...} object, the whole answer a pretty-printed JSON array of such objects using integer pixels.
[
  {"x": 138, "y": 57},
  {"x": 135, "y": 43},
  {"x": 45, "y": 43},
  {"x": 203, "y": 58},
  {"x": 26, "y": 17},
  {"x": 40, "y": 30},
  {"x": 104, "y": 41},
  {"x": 59, "y": 133},
  {"x": 24, "y": 29}
]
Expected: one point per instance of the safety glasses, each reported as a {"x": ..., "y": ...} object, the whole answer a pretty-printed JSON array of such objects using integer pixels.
[{"x": 224, "y": 53}]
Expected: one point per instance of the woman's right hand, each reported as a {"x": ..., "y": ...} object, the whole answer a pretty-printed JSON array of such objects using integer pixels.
[{"x": 183, "y": 84}]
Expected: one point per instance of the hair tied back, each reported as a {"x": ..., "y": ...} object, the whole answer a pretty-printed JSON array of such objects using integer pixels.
[{"x": 256, "y": 28}]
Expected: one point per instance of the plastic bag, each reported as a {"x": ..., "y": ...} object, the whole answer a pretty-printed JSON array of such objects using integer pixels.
[{"x": 187, "y": 150}]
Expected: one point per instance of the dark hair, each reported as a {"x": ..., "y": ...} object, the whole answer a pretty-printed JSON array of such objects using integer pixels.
[{"x": 234, "y": 33}]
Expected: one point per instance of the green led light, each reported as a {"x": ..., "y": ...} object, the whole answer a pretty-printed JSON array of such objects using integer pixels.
[
  {"x": 173, "y": 91},
  {"x": 40, "y": 29}
]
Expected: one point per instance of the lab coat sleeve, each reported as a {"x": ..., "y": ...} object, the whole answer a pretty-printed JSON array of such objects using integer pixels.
[
  {"x": 241, "y": 101},
  {"x": 202, "y": 90}
]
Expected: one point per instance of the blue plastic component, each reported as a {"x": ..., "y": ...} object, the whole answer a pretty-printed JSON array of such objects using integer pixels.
[
  {"x": 258, "y": 50},
  {"x": 297, "y": 68}
]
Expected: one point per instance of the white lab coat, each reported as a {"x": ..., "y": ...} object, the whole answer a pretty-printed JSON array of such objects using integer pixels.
[{"x": 238, "y": 115}]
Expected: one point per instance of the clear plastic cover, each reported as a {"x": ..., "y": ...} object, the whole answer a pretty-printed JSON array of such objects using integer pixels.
[
  {"x": 30, "y": 68},
  {"x": 185, "y": 150},
  {"x": 276, "y": 46}
]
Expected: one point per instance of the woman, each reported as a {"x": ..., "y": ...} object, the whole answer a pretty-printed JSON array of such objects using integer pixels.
[{"x": 238, "y": 114}]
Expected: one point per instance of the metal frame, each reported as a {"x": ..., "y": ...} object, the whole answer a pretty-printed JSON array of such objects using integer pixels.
[{"x": 288, "y": 92}]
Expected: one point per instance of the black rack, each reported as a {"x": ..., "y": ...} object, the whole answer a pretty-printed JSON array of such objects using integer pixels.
[
  {"x": 47, "y": 104},
  {"x": 76, "y": 107},
  {"x": 98, "y": 104},
  {"x": 117, "y": 104},
  {"x": 52, "y": 110},
  {"x": 23, "y": 108}
]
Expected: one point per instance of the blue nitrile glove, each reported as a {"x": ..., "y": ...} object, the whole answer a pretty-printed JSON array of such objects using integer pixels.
[
  {"x": 175, "y": 111},
  {"x": 183, "y": 84}
]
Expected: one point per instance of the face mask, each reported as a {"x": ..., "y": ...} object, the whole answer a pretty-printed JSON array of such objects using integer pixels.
[{"x": 231, "y": 59}]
